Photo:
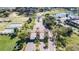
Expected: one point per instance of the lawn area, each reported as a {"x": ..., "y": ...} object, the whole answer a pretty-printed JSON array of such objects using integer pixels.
[
  {"x": 56, "y": 11},
  {"x": 72, "y": 43},
  {"x": 7, "y": 44},
  {"x": 3, "y": 25},
  {"x": 18, "y": 19},
  {"x": 14, "y": 19}
]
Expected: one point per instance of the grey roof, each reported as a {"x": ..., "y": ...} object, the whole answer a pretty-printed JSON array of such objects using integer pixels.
[
  {"x": 60, "y": 15},
  {"x": 74, "y": 16},
  {"x": 1, "y": 20},
  {"x": 15, "y": 25},
  {"x": 4, "y": 19},
  {"x": 7, "y": 31},
  {"x": 76, "y": 21}
]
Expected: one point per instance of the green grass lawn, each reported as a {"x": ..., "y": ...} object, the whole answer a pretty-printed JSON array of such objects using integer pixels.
[
  {"x": 3, "y": 25},
  {"x": 59, "y": 11},
  {"x": 17, "y": 18},
  {"x": 72, "y": 43},
  {"x": 14, "y": 19},
  {"x": 7, "y": 44},
  {"x": 56, "y": 11}
]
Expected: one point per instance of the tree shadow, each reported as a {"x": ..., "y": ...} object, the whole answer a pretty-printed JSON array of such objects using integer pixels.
[{"x": 28, "y": 40}]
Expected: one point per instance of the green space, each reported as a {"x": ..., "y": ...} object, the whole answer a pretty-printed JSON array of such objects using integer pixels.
[
  {"x": 72, "y": 43},
  {"x": 14, "y": 19},
  {"x": 67, "y": 40},
  {"x": 3, "y": 25},
  {"x": 56, "y": 11},
  {"x": 7, "y": 44}
]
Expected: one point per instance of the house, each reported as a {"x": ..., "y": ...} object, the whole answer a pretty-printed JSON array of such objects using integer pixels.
[
  {"x": 4, "y": 20},
  {"x": 60, "y": 15},
  {"x": 7, "y": 31},
  {"x": 15, "y": 25},
  {"x": 73, "y": 17},
  {"x": 10, "y": 28},
  {"x": 74, "y": 23}
]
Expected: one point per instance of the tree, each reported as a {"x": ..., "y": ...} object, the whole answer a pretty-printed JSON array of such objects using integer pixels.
[
  {"x": 46, "y": 15},
  {"x": 69, "y": 31},
  {"x": 61, "y": 41},
  {"x": 46, "y": 39},
  {"x": 27, "y": 11},
  {"x": 6, "y": 14},
  {"x": 23, "y": 34},
  {"x": 37, "y": 42},
  {"x": 40, "y": 10},
  {"x": 46, "y": 42},
  {"x": 16, "y": 31},
  {"x": 49, "y": 21},
  {"x": 25, "y": 27},
  {"x": 63, "y": 30},
  {"x": 19, "y": 45},
  {"x": 29, "y": 20}
]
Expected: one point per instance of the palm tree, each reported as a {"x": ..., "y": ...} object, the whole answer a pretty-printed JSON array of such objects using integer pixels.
[
  {"x": 37, "y": 42},
  {"x": 23, "y": 34}
]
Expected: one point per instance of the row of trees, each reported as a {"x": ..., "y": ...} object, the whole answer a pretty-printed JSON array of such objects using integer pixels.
[
  {"x": 24, "y": 34},
  {"x": 61, "y": 33},
  {"x": 58, "y": 31},
  {"x": 26, "y": 10},
  {"x": 5, "y": 12},
  {"x": 31, "y": 10}
]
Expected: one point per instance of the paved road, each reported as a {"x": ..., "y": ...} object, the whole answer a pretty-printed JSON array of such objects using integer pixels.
[
  {"x": 51, "y": 44},
  {"x": 30, "y": 47},
  {"x": 39, "y": 24},
  {"x": 41, "y": 46}
]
